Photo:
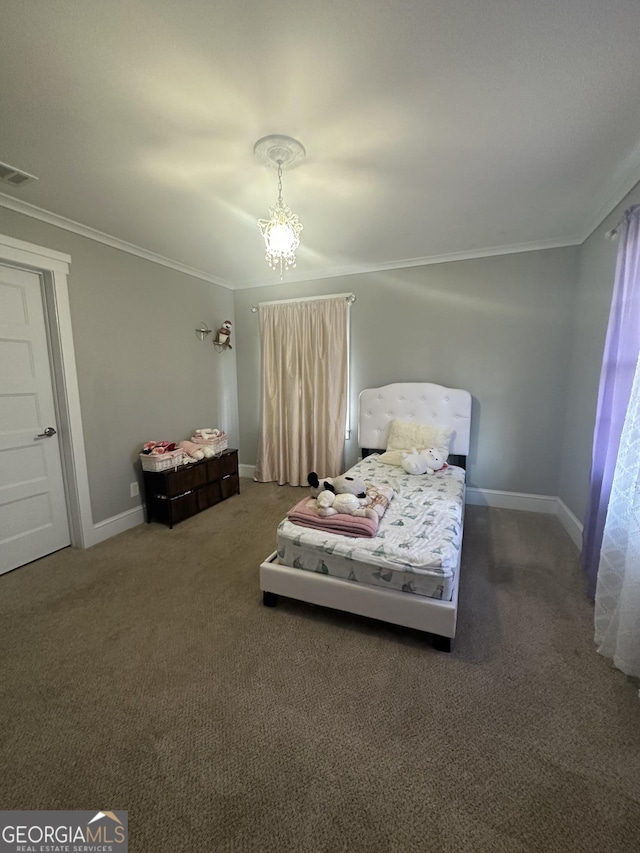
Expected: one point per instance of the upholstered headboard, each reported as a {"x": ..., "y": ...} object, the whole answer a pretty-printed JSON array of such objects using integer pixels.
[{"x": 420, "y": 402}]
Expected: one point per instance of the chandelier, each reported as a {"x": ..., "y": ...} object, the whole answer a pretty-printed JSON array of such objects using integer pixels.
[{"x": 281, "y": 231}]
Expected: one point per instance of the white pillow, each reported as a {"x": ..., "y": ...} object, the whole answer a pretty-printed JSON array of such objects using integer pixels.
[{"x": 404, "y": 436}]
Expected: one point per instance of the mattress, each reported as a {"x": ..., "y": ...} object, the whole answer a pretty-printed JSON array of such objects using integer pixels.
[{"x": 418, "y": 544}]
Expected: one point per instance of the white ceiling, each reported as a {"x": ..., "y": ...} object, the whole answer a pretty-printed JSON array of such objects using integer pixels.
[{"x": 433, "y": 128}]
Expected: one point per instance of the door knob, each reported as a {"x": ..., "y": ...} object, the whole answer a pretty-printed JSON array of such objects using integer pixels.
[{"x": 49, "y": 431}]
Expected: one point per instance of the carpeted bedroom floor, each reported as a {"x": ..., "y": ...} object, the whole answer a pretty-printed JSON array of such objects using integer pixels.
[{"x": 145, "y": 674}]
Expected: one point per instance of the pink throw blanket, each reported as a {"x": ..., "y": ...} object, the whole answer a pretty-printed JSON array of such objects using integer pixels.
[{"x": 305, "y": 513}]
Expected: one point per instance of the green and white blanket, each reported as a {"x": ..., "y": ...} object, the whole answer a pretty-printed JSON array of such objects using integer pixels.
[{"x": 417, "y": 547}]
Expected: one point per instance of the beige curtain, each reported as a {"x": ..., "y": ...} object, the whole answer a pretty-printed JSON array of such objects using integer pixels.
[{"x": 304, "y": 389}]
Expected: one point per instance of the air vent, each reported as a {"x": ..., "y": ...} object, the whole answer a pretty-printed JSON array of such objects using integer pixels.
[{"x": 15, "y": 177}]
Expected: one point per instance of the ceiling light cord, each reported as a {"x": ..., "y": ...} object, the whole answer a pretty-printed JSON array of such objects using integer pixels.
[{"x": 280, "y": 183}]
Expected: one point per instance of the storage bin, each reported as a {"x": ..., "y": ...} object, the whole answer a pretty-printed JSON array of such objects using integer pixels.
[
  {"x": 161, "y": 461},
  {"x": 216, "y": 444}
]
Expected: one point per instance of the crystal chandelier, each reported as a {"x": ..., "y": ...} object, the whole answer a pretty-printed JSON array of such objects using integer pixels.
[{"x": 281, "y": 231}]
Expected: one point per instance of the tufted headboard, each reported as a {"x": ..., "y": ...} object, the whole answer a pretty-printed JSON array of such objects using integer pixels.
[{"x": 421, "y": 402}]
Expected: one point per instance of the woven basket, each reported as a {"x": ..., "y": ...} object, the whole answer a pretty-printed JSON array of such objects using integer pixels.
[
  {"x": 161, "y": 461},
  {"x": 216, "y": 444}
]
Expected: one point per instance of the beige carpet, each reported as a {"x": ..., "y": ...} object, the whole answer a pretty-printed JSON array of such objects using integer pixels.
[{"x": 145, "y": 674}]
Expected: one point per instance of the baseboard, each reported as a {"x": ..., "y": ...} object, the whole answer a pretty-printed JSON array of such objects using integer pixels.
[
  {"x": 479, "y": 497},
  {"x": 530, "y": 503},
  {"x": 512, "y": 500},
  {"x": 570, "y": 523},
  {"x": 117, "y": 524}
]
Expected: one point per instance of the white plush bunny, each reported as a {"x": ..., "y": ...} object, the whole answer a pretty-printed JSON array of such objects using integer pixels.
[{"x": 425, "y": 462}]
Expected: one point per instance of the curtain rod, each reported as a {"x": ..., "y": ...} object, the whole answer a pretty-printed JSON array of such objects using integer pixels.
[
  {"x": 612, "y": 233},
  {"x": 350, "y": 297}
]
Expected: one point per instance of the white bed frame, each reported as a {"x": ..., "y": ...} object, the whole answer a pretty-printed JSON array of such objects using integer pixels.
[{"x": 421, "y": 402}]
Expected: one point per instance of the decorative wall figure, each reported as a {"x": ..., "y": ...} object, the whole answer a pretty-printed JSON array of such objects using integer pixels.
[{"x": 222, "y": 339}]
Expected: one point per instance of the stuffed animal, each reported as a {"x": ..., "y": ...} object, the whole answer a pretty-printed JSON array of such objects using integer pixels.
[
  {"x": 426, "y": 462},
  {"x": 223, "y": 335},
  {"x": 328, "y": 503},
  {"x": 342, "y": 485},
  {"x": 413, "y": 463}
]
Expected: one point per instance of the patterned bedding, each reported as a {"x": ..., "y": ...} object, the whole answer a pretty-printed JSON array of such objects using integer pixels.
[{"x": 417, "y": 548}]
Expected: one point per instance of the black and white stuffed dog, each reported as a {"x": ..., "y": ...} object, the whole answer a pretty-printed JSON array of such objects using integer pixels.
[{"x": 342, "y": 485}]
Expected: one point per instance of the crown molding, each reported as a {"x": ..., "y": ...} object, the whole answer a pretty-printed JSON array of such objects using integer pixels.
[
  {"x": 610, "y": 200},
  {"x": 359, "y": 269},
  {"x": 23, "y": 207},
  {"x": 621, "y": 184}
]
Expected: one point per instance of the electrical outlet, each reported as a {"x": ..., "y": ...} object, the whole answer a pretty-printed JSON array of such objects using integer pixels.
[{"x": 135, "y": 490}]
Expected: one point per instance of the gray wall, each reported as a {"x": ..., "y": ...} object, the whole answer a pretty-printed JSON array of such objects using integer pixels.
[
  {"x": 524, "y": 333},
  {"x": 596, "y": 273},
  {"x": 142, "y": 372},
  {"x": 498, "y": 327}
]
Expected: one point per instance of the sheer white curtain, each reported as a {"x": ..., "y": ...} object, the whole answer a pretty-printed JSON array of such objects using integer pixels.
[
  {"x": 304, "y": 389},
  {"x": 617, "y": 608}
]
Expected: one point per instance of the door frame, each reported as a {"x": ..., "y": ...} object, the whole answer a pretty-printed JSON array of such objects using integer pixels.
[{"x": 53, "y": 268}]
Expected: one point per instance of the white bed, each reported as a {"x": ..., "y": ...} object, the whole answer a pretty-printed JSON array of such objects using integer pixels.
[{"x": 360, "y": 592}]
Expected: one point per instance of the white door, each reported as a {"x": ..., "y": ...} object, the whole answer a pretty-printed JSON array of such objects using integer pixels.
[{"x": 33, "y": 510}]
